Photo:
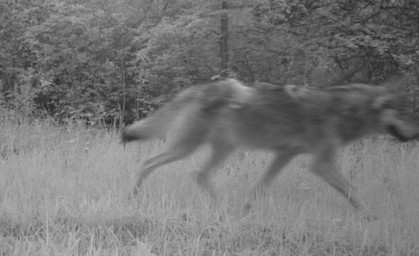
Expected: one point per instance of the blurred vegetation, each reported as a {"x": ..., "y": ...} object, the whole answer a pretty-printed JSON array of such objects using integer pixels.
[
  {"x": 103, "y": 61},
  {"x": 64, "y": 191}
]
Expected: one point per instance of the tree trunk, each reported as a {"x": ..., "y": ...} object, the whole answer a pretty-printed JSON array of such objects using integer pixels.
[{"x": 224, "y": 38}]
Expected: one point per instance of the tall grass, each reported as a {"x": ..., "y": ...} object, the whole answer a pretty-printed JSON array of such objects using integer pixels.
[{"x": 64, "y": 191}]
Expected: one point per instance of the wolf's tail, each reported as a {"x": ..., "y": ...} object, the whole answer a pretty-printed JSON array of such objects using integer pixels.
[
  {"x": 208, "y": 98},
  {"x": 157, "y": 125}
]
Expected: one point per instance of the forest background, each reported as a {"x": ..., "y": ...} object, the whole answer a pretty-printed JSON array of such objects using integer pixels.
[
  {"x": 113, "y": 61},
  {"x": 65, "y": 187}
]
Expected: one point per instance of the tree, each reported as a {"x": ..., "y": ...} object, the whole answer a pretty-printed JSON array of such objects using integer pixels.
[
  {"x": 102, "y": 60},
  {"x": 224, "y": 36}
]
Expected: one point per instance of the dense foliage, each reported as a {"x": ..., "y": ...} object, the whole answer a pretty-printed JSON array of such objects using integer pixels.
[{"x": 112, "y": 61}]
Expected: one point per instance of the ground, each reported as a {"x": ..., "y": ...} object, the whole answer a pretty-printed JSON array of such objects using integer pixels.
[{"x": 65, "y": 191}]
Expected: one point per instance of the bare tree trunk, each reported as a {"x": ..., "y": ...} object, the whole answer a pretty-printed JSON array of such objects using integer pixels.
[
  {"x": 121, "y": 118},
  {"x": 415, "y": 88},
  {"x": 224, "y": 38}
]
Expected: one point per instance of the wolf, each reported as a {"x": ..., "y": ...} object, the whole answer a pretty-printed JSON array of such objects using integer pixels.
[{"x": 286, "y": 120}]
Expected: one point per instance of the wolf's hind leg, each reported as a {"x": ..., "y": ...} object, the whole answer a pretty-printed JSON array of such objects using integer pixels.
[
  {"x": 220, "y": 151},
  {"x": 179, "y": 149},
  {"x": 153, "y": 163}
]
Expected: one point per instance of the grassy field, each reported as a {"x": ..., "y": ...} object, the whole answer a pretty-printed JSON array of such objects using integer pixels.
[{"x": 64, "y": 191}]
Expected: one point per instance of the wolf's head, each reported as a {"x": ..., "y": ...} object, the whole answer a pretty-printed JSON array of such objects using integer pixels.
[
  {"x": 392, "y": 107},
  {"x": 379, "y": 109}
]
